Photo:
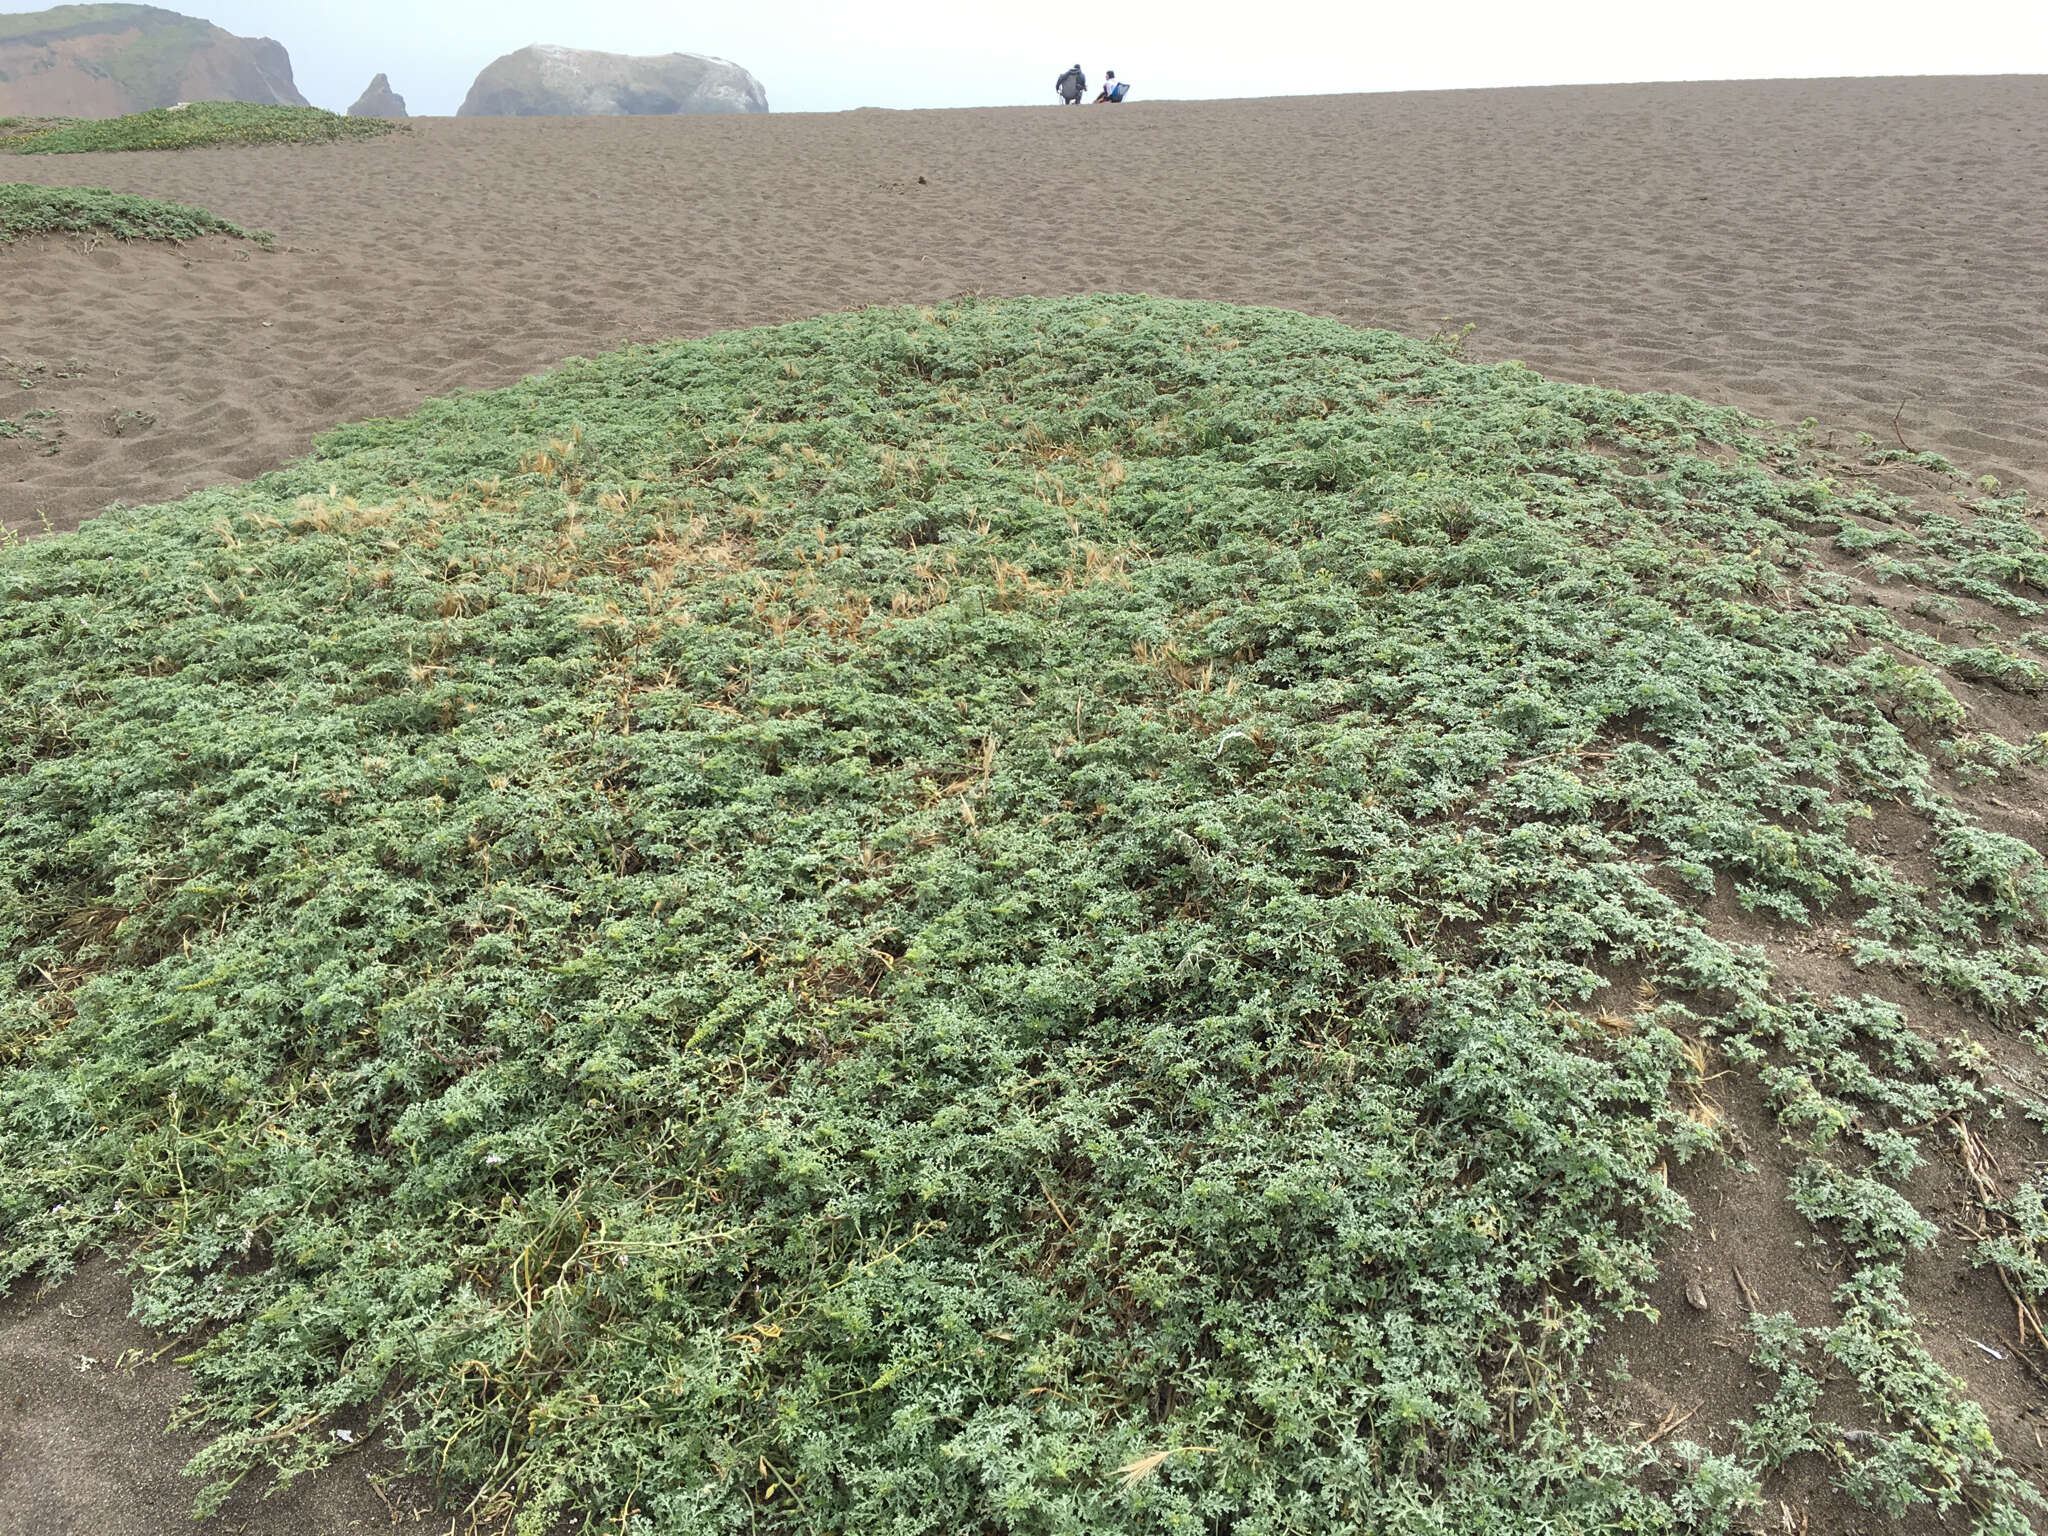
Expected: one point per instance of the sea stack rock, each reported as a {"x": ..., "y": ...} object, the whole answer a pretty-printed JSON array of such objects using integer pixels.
[
  {"x": 378, "y": 100},
  {"x": 109, "y": 60},
  {"x": 546, "y": 81}
]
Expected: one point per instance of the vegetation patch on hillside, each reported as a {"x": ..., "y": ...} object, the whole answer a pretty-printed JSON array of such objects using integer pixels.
[
  {"x": 199, "y": 124},
  {"x": 14, "y": 125},
  {"x": 63, "y": 21},
  {"x": 1057, "y": 916},
  {"x": 26, "y": 209}
]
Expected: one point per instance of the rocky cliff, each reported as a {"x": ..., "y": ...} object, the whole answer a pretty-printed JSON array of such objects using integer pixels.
[
  {"x": 546, "y": 81},
  {"x": 378, "y": 100},
  {"x": 106, "y": 60}
]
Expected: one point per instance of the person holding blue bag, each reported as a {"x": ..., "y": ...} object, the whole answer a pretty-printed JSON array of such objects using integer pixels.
[{"x": 1112, "y": 90}]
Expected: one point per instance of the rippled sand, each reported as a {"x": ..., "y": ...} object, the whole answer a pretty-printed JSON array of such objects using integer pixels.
[{"x": 1858, "y": 250}]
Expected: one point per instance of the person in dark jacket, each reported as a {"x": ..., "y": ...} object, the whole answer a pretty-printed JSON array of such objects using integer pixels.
[{"x": 1072, "y": 86}]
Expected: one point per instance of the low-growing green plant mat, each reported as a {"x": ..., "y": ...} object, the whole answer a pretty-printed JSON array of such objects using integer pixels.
[
  {"x": 26, "y": 209},
  {"x": 14, "y": 125},
  {"x": 989, "y": 919},
  {"x": 199, "y": 123}
]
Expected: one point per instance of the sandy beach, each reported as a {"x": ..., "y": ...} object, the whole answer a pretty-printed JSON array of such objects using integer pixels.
[
  {"x": 1865, "y": 252},
  {"x": 1862, "y": 251}
]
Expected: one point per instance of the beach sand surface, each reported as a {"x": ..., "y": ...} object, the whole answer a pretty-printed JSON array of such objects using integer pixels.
[{"x": 1873, "y": 253}]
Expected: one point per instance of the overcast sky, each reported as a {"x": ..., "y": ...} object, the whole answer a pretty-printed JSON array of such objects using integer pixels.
[{"x": 827, "y": 55}]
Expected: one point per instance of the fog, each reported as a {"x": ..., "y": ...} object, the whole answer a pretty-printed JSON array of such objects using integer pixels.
[{"x": 828, "y": 55}]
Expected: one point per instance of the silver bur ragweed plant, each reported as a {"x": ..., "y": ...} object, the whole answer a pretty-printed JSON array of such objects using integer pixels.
[
  {"x": 196, "y": 125},
  {"x": 986, "y": 920},
  {"x": 95, "y": 212}
]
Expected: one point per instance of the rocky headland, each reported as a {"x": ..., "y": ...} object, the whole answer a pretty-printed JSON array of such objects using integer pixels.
[{"x": 109, "y": 60}]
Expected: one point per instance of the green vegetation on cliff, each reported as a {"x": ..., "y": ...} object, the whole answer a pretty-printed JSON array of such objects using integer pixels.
[
  {"x": 150, "y": 67},
  {"x": 990, "y": 919},
  {"x": 69, "y": 20},
  {"x": 34, "y": 210},
  {"x": 146, "y": 55},
  {"x": 201, "y": 124}
]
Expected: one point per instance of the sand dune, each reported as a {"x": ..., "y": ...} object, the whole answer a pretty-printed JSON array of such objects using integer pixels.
[
  {"x": 1838, "y": 249},
  {"x": 1852, "y": 250}
]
